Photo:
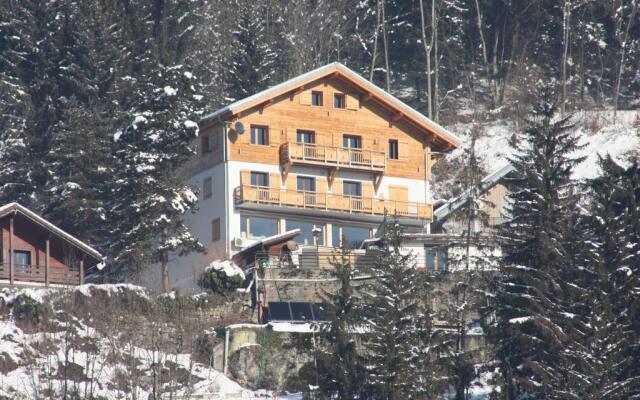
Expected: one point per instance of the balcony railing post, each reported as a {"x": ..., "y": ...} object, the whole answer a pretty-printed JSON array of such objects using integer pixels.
[
  {"x": 81, "y": 271},
  {"x": 11, "y": 262},
  {"x": 46, "y": 263}
]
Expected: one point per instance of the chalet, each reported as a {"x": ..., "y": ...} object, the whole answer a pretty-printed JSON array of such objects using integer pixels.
[
  {"x": 33, "y": 251},
  {"x": 327, "y": 153}
]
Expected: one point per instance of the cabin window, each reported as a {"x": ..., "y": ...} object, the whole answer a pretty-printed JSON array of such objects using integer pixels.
[
  {"x": 205, "y": 144},
  {"x": 306, "y": 184},
  {"x": 260, "y": 135},
  {"x": 339, "y": 101},
  {"x": 21, "y": 258},
  {"x": 316, "y": 99},
  {"x": 215, "y": 230},
  {"x": 306, "y": 137},
  {"x": 256, "y": 227},
  {"x": 353, "y": 189},
  {"x": 393, "y": 149},
  {"x": 353, "y": 236},
  {"x": 259, "y": 179},
  {"x": 306, "y": 237},
  {"x": 207, "y": 188},
  {"x": 436, "y": 258},
  {"x": 352, "y": 142}
]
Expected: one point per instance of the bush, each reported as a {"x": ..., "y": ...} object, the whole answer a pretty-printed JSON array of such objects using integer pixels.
[
  {"x": 221, "y": 277},
  {"x": 27, "y": 309}
]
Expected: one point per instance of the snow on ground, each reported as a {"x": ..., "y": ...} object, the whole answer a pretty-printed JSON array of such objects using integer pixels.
[
  {"x": 31, "y": 360},
  {"x": 599, "y": 133}
]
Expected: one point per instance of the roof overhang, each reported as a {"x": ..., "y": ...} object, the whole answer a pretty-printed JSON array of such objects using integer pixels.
[
  {"x": 15, "y": 208},
  {"x": 440, "y": 137}
]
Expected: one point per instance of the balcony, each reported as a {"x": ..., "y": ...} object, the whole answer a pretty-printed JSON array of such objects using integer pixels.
[
  {"x": 330, "y": 202},
  {"x": 292, "y": 153},
  {"x": 37, "y": 274}
]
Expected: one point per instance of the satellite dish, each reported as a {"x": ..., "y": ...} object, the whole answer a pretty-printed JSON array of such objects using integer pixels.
[{"x": 239, "y": 127}]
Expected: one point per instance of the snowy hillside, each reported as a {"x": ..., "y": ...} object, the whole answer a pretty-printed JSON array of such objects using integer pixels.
[
  {"x": 87, "y": 342},
  {"x": 599, "y": 133}
]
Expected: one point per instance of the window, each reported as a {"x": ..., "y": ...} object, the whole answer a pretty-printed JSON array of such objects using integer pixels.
[
  {"x": 393, "y": 149},
  {"x": 338, "y": 101},
  {"x": 22, "y": 258},
  {"x": 306, "y": 137},
  {"x": 215, "y": 230},
  {"x": 307, "y": 232},
  {"x": 256, "y": 227},
  {"x": 260, "y": 135},
  {"x": 436, "y": 259},
  {"x": 350, "y": 188},
  {"x": 259, "y": 179},
  {"x": 352, "y": 142},
  {"x": 316, "y": 99},
  {"x": 354, "y": 236},
  {"x": 306, "y": 184},
  {"x": 205, "y": 145},
  {"x": 207, "y": 188}
]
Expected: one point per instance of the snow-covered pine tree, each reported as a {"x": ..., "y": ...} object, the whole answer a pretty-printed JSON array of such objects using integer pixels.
[
  {"x": 612, "y": 260},
  {"x": 399, "y": 359},
  {"x": 149, "y": 197},
  {"x": 252, "y": 62},
  {"x": 342, "y": 375},
  {"x": 533, "y": 323}
]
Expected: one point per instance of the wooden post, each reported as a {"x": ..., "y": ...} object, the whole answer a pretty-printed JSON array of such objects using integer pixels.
[
  {"x": 82, "y": 270},
  {"x": 46, "y": 262},
  {"x": 11, "y": 262}
]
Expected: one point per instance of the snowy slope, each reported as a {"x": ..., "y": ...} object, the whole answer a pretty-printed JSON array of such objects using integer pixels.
[{"x": 32, "y": 360}]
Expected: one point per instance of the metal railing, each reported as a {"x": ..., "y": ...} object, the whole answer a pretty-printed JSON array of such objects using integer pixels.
[
  {"x": 311, "y": 259},
  {"x": 318, "y": 154},
  {"x": 329, "y": 201},
  {"x": 38, "y": 274},
  {"x": 487, "y": 225}
]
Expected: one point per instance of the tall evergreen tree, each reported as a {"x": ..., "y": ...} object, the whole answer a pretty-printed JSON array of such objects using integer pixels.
[
  {"x": 149, "y": 198},
  {"x": 533, "y": 323},
  {"x": 399, "y": 361}
]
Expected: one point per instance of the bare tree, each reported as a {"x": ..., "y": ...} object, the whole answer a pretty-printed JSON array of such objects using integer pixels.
[{"x": 623, "y": 53}]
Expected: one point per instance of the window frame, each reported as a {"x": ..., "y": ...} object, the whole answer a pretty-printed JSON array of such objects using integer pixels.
[
  {"x": 394, "y": 149},
  {"x": 254, "y": 139},
  {"x": 317, "y": 95},
  {"x": 356, "y": 184},
  {"x": 207, "y": 188},
  {"x": 205, "y": 149},
  {"x": 22, "y": 252},
  {"x": 342, "y": 99},
  {"x": 215, "y": 234},
  {"x": 348, "y": 137},
  {"x": 305, "y": 132},
  {"x": 257, "y": 174},
  {"x": 302, "y": 178}
]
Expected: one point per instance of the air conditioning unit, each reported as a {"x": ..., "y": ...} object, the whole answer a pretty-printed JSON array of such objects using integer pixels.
[{"x": 239, "y": 242}]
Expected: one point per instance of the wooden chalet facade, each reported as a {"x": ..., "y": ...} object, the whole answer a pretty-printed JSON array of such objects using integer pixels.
[{"x": 35, "y": 252}]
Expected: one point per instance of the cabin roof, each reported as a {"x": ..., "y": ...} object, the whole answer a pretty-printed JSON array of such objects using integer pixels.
[
  {"x": 337, "y": 69},
  {"x": 270, "y": 241},
  {"x": 15, "y": 208},
  {"x": 488, "y": 182}
]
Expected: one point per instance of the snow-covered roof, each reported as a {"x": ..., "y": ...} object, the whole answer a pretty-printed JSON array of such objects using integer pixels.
[
  {"x": 268, "y": 241},
  {"x": 348, "y": 74},
  {"x": 486, "y": 183},
  {"x": 17, "y": 208}
]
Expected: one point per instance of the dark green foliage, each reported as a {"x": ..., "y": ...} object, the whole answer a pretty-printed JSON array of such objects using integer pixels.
[
  {"x": 29, "y": 310},
  {"x": 219, "y": 282}
]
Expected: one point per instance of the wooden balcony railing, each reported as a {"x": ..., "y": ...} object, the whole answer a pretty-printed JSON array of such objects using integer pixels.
[
  {"x": 331, "y": 202},
  {"x": 330, "y": 156},
  {"x": 37, "y": 274}
]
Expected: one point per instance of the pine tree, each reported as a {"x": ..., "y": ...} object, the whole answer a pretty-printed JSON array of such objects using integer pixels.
[
  {"x": 533, "y": 323},
  {"x": 149, "y": 198},
  {"x": 612, "y": 264},
  {"x": 252, "y": 63},
  {"x": 399, "y": 359},
  {"x": 342, "y": 375}
]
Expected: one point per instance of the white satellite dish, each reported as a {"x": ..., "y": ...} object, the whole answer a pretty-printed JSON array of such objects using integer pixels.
[{"x": 239, "y": 127}]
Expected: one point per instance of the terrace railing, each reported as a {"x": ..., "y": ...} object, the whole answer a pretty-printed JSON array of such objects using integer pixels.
[
  {"x": 38, "y": 274},
  {"x": 332, "y": 156}
]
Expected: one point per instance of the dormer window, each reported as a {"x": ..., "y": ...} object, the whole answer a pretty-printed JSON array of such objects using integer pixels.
[{"x": 316, "y": 99}]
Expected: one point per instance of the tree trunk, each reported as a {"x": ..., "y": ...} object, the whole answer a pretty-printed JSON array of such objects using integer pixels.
[
  {"x": 165, "y": 273},
  {"x": 386, "y": 48},
  {"x": 565, "y": 54},
  {"x": 375, "y": 42},
  {"x": 436, "y": 62},
  {"x": 427, "y": 52},
  {"x": 622, "y": 59}
]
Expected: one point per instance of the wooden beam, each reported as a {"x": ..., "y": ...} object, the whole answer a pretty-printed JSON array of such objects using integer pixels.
[
  {"x": 377, "y": 181},
  {"x": 46, "y": 262},
  {"x": 11, "y": 269},
  {"x": 397, "y": 116},
  {"x": 82, "y": 270},
  {"x": 367, "y": 96},
  {"x": 331, "y": 176}
]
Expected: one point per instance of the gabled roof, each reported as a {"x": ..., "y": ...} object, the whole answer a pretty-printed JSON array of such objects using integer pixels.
[
  {"x": 13, "y": 208},
  {"x": 263, "y": 243},
  {"x": 487, "y": 182},
  {"x": 341, "y": 71}
]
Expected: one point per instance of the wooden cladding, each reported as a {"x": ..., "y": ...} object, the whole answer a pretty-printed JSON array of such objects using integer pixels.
[{"x": 330, "y": 201}]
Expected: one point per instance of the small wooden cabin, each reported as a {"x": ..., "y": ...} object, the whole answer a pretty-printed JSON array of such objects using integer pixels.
[{"x": 33, "y": 251}]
